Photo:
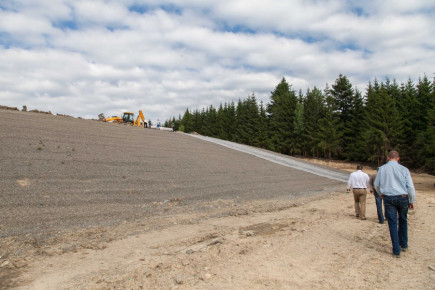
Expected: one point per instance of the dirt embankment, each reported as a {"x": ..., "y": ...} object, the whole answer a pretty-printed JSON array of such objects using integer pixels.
[{"x": 91, "y": 205}]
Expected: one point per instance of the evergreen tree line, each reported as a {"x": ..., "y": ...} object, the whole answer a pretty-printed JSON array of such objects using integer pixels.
[{"x": 336, "y": 123}]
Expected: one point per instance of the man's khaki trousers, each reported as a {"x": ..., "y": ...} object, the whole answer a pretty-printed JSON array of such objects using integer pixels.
[{"x": 359, "y": 195}]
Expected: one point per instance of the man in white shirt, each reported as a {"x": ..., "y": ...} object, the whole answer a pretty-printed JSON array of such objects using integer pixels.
[{"x": 359, "y": 181}]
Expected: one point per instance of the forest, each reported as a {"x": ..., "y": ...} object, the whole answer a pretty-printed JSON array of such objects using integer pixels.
[{"x": 337, "y": 123}]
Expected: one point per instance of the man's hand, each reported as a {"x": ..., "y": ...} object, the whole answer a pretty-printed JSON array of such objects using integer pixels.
[{"x": 411, "y": 206}]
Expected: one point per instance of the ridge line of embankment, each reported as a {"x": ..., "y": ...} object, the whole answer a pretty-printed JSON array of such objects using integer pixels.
[{"x": 287, "y": 161}]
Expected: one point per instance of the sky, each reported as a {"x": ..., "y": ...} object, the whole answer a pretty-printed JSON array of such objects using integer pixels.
[{"x": 82, "y": 58}]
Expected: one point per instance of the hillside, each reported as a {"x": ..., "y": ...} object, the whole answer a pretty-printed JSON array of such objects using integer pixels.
[{"x": 93, "y": 205}]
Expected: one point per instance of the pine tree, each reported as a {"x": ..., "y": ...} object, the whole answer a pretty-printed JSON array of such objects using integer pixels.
[
  {"x": 187, "y": 122},
  {"x": 346, "y": 103},
  {"x": 425, "y": 103},
  {"x": 239, "y": 135},
  {"x": 313, "y": 112},
  {"x": 210, "y": 122},
  {"x": 174, "y": 122},
  {"x": 330, "y": 129},
  {"x": 263, "y": 137},
  {"x": 376, "y": 141},
  {"x": 247, "y": 121},
  {"x": 424, "y": 95},
  {"x": 281, "y": 117},
  {"x": 396, "y": 137},
  {"x": 220, "y": 123},
  {"x": 355, "y": 149},
  {"x": 252, "y": 119},
  {"x": 197, "y": 122},
  {"x": 429, "y": 148},
  {"x": 230, "y": 121},
  {"x": 425, "y": 142},
  {"x": 382, "y": 123},
  {"x": 408, "y": 107},
  {"x": 298, "y": 124}
]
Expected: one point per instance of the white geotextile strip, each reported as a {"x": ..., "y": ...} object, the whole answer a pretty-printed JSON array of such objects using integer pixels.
[{"x": 282, "y": 160}]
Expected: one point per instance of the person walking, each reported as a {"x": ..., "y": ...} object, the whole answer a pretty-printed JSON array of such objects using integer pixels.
[
  {"x": 359, "y": 181},
  {"x": 395, "y": 187},
  {"x": 378, "y": 199}
]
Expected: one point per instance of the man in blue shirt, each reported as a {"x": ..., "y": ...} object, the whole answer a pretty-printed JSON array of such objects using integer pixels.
[{"x": 394, "y": 184}]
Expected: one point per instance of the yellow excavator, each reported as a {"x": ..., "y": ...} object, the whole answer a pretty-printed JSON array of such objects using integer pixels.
[{"x": 128, "y": 118}]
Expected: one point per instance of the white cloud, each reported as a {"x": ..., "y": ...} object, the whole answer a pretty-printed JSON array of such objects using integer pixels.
[
  {"x": 86, "y": 57},
  {"x": 100, "y": 13}
]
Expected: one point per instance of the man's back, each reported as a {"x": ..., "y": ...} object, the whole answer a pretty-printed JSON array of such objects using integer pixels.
[
  {"x": 395, "y": 179},
  {"x": 358, "y": 179}
]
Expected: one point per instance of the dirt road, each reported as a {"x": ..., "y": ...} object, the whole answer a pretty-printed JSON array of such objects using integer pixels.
[{"x": 89, "y": 205}]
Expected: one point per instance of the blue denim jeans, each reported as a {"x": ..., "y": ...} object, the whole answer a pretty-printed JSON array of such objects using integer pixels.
[
  {"x": 396, "y": 212},
  {"x": 379, "y": 207}
]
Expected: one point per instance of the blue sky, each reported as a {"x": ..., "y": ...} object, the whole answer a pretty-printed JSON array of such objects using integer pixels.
[{"x": 83, "y": 58}]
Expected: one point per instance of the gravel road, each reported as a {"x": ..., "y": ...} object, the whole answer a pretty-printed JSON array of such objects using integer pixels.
[{"x": 60, "y": 173}]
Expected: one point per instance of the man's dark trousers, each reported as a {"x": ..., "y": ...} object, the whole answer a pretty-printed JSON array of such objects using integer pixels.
[
  {"x": 378, "y": 200},
  {"x": 396, "y": 212}
]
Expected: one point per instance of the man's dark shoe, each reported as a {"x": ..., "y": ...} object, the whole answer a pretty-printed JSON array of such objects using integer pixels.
[
  {"x": 396, "y": 255},
  {"x": 404, "y": 249},
  {"x": 381, "y": 223}
]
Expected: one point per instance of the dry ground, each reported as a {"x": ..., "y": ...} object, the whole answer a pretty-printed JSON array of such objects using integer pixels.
[{"x": 77, "y": 213}]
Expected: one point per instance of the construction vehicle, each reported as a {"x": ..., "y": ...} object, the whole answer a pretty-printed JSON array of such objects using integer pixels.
[
  {"x": 128, "y": 118},
  {"x": 142, "y": 117}
]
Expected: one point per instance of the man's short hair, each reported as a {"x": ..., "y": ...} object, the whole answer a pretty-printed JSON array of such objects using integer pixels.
[
  {"x": 359, "y": 167},
  {"x": 393, "y": 154}
]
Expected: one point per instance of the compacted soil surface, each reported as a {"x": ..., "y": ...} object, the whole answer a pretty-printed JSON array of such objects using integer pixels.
[{"x": 91, "y": 205}]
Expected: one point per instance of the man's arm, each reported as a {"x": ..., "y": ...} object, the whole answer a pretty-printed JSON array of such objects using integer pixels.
[
  {"x": 368, "y": 185},
  {"x": 349, "y": 183},
  {"x": 411, "y": 189},
  {"x": 377, "y": 183}
]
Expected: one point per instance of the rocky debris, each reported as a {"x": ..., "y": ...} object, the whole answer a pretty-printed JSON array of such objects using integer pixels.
[
  {"x": 179, "y": 280},
  {"x": 25, "y": 109},
  {"x": 216, "y": 241},
  {"x": 63, "y": 115},
  {"x": 8, "y": 108},
  {"x": 41, "y": 112},
  {"x": 6, "y": 264}
]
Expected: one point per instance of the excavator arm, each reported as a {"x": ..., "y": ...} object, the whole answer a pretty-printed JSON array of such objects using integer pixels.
[{"x": 141, "y": 116}]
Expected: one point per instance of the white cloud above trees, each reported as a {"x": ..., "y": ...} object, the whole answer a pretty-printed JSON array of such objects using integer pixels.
[{"x": 86, "y": 57}]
